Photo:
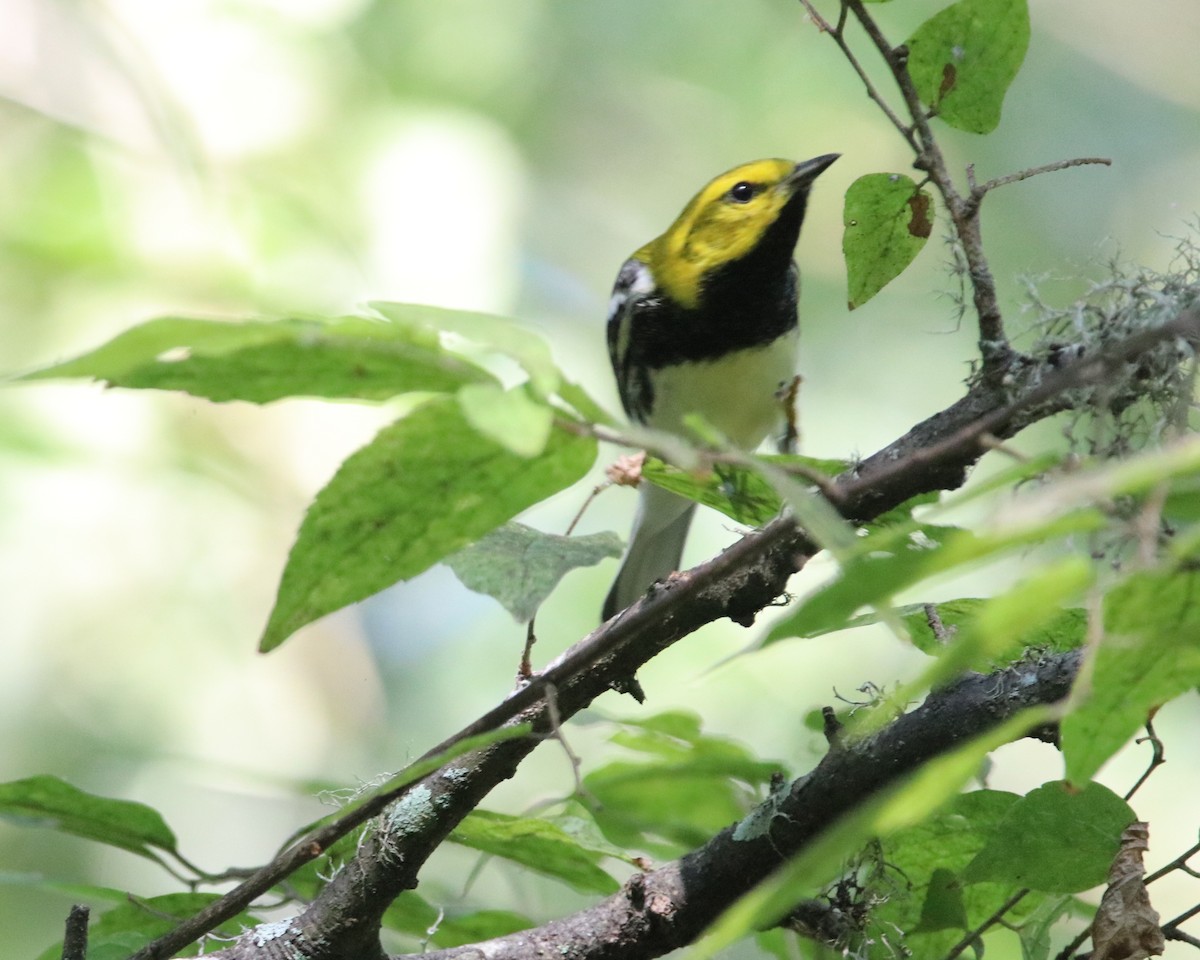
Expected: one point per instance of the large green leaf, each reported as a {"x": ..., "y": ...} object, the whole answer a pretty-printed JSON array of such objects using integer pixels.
[
  {"x": 264, "y": 360},
  {"x": 1056, "y": 838},
  {"x": 520, "y": 566},
  {"x": 963, "y": 59},
  {"x": 47, "y": 801},
  {"x": 924, "y": 895},
  {"x": 539, "y": 845},
  {"x": 426, "y": 486},
  {"x": 886, "y": 220},
  {"x": 1150, "y": 654}
]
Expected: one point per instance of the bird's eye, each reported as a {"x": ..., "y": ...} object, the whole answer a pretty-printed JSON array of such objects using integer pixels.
[{"x": 742, "y": 192}]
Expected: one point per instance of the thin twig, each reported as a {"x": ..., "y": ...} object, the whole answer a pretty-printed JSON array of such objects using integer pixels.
[
  {"x": 979, "y": 191},
  {"x": 839, "y": 37},
  {"x": 1179, "y": 863},
  {"x": 972, "y": 936},
  {"x": 993, "y": 342},
  {"x": 1157, "y": 759}
]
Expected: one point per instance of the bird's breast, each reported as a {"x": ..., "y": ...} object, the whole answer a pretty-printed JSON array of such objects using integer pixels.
[{"x": 736, "y": 392}]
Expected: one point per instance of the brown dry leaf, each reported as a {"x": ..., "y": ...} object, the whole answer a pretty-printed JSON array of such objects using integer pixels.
[
  {"x": 1126, "y": 926},
  {"x": 626, "y": 471}
]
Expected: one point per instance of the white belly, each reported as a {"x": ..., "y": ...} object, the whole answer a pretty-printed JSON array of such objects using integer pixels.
[{"x": 736, "y": 393}]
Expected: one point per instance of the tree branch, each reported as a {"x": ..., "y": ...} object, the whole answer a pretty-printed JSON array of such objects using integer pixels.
[
  {"x": 738, "y": 583},
  {"x": 670, "y": 907}
]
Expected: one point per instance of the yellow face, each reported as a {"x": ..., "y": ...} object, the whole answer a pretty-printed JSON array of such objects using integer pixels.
[{"x": 723, "y": 222}]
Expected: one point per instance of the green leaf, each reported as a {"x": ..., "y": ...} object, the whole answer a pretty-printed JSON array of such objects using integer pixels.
[
  {"x": 47, "y": 801},
  {"x": 426, "y": 486},
  {"x": 124, "y": 930},
  {"x": 1004, "y": 626},
  {"x": 741, "y": 493},
  {"x": 963, "y": 59},
  {"x": 1150, "y": 655},
  {"x": 689, "y": 786},
  {"x": 892, "y": 559},
  {"x": 478, "y": 926},
  {"x": 931, "y": 854},
  {"x": 584, "y": 405},
  {"x": 520, "y": 566},
  {"x": 902, "y": 805},
  {"x": 1065, "y": 630},
  {"x": 1055, "y": 838},
  {"x": 411, "y": 914},
  {"x": 886, "y": 221},
  {"x": 539, "y": 845},
  {"x": 514, "y": 418},
  {"x": 486, "y": 333},
  {"x": 264, "y": 360}
]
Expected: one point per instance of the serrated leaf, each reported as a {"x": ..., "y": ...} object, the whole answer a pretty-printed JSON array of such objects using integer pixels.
[
  {"x": 886, "y": 221},
  {"x": 1150, "y": 655},
  {"x": 741, "y": 493},
  {"x": 425, "y": 487},
  {"x": 263, "y": 360},
  {"x": 539, "y": 845},
  {"x": 963, "y": 59},
  {"x": 514, "y": 418},
  {"x": 520, "y": 566},
  {"x": 1056, "y": 839},
  {"x": 47, "y": 801}
]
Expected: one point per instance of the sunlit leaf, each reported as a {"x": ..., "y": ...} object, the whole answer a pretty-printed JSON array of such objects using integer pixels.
[
  {"x": 1150, "y": 654},
  {"x": 513, "y": 418},
  {"x": 886, "y": 221},
  {"x": 520, "y": 566},
  {"x": 963, "y": 59},
  {"x": 486, "y": 334},
  {"x": 426, "y": 486},
  {"x": 264, "y": 360}
]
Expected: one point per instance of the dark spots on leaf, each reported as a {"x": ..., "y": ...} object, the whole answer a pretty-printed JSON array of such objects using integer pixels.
[
  {"x": 949, "y": 79},
  {"x": 920, "y": 223}
]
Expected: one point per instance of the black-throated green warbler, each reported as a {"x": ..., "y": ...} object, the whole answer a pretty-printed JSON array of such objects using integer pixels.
[{"x": 704, "y": 320}]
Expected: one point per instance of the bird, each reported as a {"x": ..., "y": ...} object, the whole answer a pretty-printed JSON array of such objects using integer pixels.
[{"x": 704, "y": 320}]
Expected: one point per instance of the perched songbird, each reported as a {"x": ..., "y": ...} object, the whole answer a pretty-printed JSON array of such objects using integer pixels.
[{"x": 703, "y": 320}]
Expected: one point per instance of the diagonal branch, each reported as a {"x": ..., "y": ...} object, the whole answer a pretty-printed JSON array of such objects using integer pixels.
[
  {"x": 740, "y": 582},
  {"x": 670, "y": 907}
]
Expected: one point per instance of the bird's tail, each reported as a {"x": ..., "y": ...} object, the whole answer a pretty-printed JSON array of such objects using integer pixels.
[{"x": 655, "y": 546}]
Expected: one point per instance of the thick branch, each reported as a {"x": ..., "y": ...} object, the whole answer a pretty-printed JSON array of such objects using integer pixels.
[
  {"x": 670, "y": 907},
  {"x": 934, "y": 455}
]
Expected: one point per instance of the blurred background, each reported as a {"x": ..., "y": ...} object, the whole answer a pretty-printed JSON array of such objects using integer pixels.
[{"x": 274, "y": 157}]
